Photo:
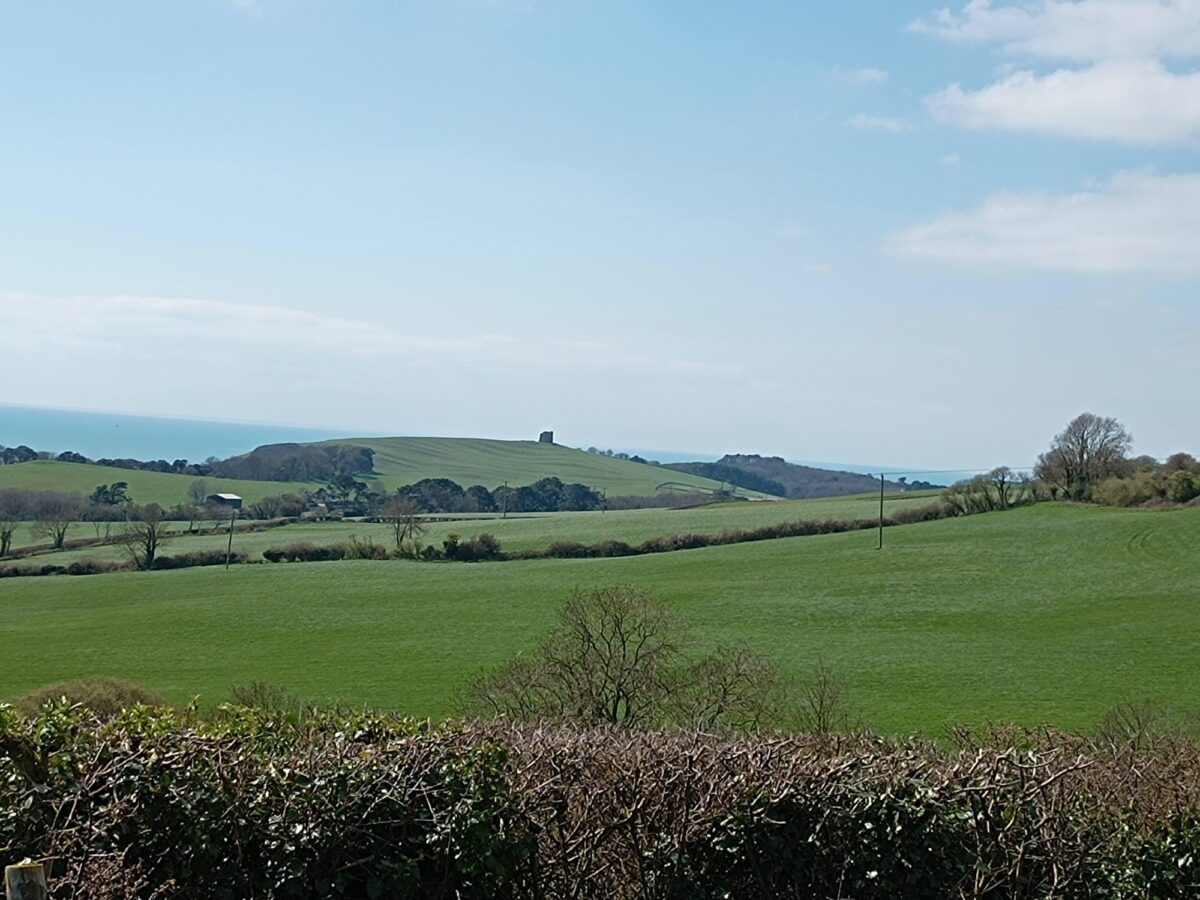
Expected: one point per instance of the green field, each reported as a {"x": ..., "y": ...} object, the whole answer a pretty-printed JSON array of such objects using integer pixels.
[
  {"x": 144, "y": 487},
  {"x": 398, "y": 461},
  {"x": 405, "y": 460},
  {"x": 1043, "y": 614},
  {"x": 516, "y": 532}
]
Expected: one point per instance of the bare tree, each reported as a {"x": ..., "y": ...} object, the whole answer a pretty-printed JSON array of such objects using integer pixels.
[
  {"x": 197, "y": 492},
  {"x": 102, "y": 518},
  {"x": 54, "y": 515},
  {"x": 403, "y": 517},
  {"x": 268, "y": 507},
  {"x": 1088, "y": 450},
  {"x": 618, "y": 658},
  {"x": 145, "y": 534},
  {"x": 1002, "y": 484},
  {"x": 824, "y": 708},
  {"x": 12, "y": 512},
  {"x": 731, "y": 688}
]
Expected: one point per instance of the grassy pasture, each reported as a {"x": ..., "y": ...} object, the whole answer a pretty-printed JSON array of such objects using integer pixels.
[
  {"x": 144, "y": 487},
  {"x": 405, "y": 460},
  {"x": 519, "y": 532},
  {"x": 1044, "y": 614},
  {"x": 398, "y": 461}
]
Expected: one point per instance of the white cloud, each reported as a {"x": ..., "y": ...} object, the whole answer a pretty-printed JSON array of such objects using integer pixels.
[
  {"x": 1077, "y": 30},
  {"x": 1128, "y": 102},
  {"x": 1137, "y": 221},
  {"x": 869, "y": 75},
  {"x": 1120, "y": 90},
  {"x": 878, "y": 123},
  {"x": 950, "y": 161}
]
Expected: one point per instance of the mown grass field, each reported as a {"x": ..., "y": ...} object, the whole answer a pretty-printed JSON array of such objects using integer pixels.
[
  {"x": 144, "y": 487},
  {"x": 1050, "y": 614},
  {"x": 517, "y": 532},
  {"x": 405, "y": 460}
]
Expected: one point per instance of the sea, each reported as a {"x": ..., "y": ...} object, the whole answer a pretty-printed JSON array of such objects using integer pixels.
[
  {"x": 114, "y": 435},
  {"x": 110, "y": 435}
]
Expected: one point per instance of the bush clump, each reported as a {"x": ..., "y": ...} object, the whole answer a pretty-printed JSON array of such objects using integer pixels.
[
  {"x": 305, "y": 552},
  {"x": 197, "y": 558},
  {"x": 104, "y": 697}
]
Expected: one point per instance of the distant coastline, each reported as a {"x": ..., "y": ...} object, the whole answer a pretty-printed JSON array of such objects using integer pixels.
[
  {"x": 113, "y": 435},
  {"x": 116, "y": 435}
]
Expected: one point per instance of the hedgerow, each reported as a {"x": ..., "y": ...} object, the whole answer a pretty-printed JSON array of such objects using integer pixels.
[{"x": 358, "y": 805}]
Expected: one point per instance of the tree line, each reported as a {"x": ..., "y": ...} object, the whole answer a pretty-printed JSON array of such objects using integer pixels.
[{"x": 1090, "y": 460}]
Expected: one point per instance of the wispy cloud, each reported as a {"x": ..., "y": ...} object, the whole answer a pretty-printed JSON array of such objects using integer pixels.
[
  {"x": 1076, "y": 30},
  {"x": 198, "y": 328},
  {"x": 1136, "y": 221},
  {"x": 269, "y": 363},
  {"x": 1120, "y": 88},
  {"x": 950, "y": 161},
  {"x": 869, "y": 75},
  {"x": 889, "y": 124}
]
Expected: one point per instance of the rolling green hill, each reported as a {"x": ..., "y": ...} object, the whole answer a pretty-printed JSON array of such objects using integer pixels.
[
  {"x": 144, "y": 487},
  {"x": 1044, "y": 614},
  {"x": 398, "y": 461},
  {"x": 404, "y": 460}
]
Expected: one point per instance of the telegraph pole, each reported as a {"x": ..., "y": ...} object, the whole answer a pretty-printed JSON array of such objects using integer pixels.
[
  {"x": 229, "y": 549},
  {"x": 880, "y": 547}
]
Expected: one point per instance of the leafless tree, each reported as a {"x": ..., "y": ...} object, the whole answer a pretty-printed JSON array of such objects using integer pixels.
[
  {"x": 618, "y": 658},
  {"x": 731, "y": 688},
  {"x": 403, "y": 517},
  {"x": 197, "y": 492},
  {"x": 145, "y": 534},
  {"x": 268, "y": 507},
  {"x": 12, "y": 512},
  {"x": 101, "y": 519},
  {"x": 1090, "y": 449},
  {"x": 824, "y": 708},
  {"x": 1002, "y": 484},
  {"x": 54, "y": 515}
]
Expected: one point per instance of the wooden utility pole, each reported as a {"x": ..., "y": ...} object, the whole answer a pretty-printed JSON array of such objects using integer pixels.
[
  {"x": 504, "y": 503},
  {"x": 880, "y": 547},
  {"x": 229, "y": 549},
  {"x": 26, "y": 881}
]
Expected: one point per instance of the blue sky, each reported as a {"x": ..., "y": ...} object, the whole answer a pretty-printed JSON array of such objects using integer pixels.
[{"x": 886, "y": 231}]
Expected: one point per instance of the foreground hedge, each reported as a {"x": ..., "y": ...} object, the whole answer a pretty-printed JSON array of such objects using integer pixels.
[{"x": 364, "y": 806}]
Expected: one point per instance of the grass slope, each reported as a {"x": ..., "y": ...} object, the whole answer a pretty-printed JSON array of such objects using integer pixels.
[
  {"x": 144, "y": 487},
  {"x": 398, "y": 461},
  {"x": 1046, "y": 614},
  {"x": 404, "y": 460}
]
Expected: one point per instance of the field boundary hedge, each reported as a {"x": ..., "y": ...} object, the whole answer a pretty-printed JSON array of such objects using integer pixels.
[
  {"x": 486, "y": 547},
  {"x": 363, "y": 805}
]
